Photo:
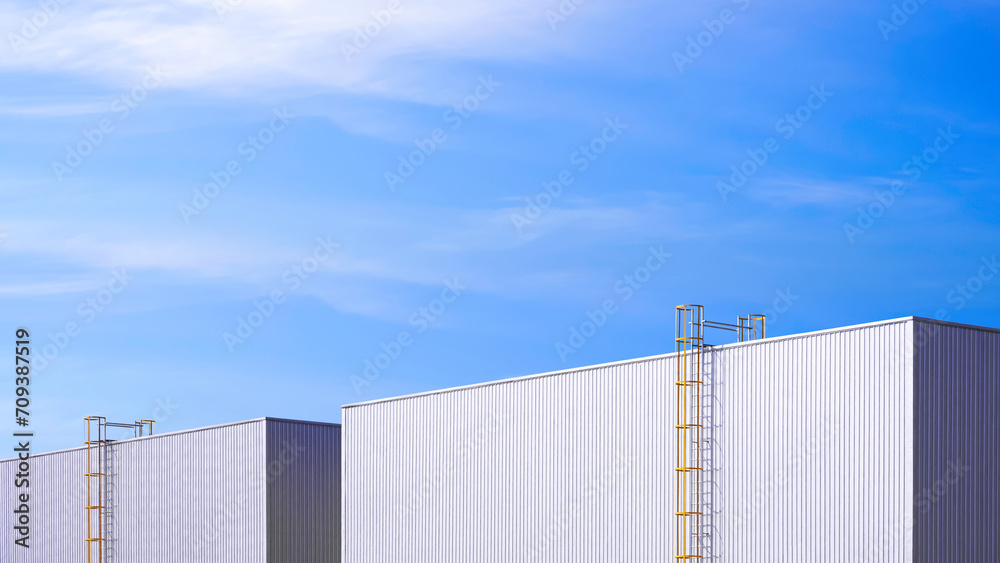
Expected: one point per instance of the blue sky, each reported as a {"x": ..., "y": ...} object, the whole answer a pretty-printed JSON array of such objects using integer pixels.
[{"x": 168, "y": 168}]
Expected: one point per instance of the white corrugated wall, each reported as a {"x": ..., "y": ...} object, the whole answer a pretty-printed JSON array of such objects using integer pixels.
[
  {"x": 817, "y": 447},
  {"x": 814, "y": 460},
  {"x": 58, "y": 520},
  {"x": 195, "y": 496}
]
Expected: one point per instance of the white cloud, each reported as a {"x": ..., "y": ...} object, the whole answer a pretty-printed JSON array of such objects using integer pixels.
[
  {"x": 106, "y": 245},
  {"x": 276, "y": 44},
  {"x": 383, "y": 248},
  {"x": 47, "y": 288},
  {"x": 801, "y": 191},
  {"x": 35, "y": 108}
]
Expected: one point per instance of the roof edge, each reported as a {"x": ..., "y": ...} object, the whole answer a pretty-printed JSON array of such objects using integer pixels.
[
  {"x": 297, "y": 421},
  {"x": 185, "y": 431},
  {"x": 631, "y": 361},
  {"x": 953, "y": 324}
]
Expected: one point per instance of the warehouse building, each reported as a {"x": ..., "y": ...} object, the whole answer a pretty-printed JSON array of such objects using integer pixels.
[
  {"x": 260, "y": 491},
  {"x": 876, "y": 442}
]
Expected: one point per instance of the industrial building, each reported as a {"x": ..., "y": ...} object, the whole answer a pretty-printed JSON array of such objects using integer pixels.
[
  {"x": 876, "y": 442},
  {"x": 260, "y": 491}
]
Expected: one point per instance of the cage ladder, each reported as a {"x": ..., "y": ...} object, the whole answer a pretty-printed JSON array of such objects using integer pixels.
[
  {"x": 689, "y": 340},
  {"x": 698, "y": 412},
  {"x": 99, "y": 474}
]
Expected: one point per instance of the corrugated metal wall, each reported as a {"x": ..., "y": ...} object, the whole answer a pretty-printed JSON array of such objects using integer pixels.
[
  {"x": 957, "y": 444},
  {"x": 58, "y": 521},
  {"x": 195, "y": 496},
  {"x": 817, "y": 446},
  {"x": 303, "y": 493},
  {"x": 579, "y": 466}
]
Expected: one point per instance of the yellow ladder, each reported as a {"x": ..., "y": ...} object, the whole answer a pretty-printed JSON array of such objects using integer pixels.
[
  {"x": 98, "y": 506},
  {"x": 690, "y": 341},
  {"x": 695, "y": 465},
  {"x": 96, "y": 439}
]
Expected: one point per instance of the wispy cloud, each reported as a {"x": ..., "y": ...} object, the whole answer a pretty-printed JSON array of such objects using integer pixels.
[
  {"x": 802, "y": 191},
  {"x": 89, "y": 245},
  {"x": 47, "y": 288},
  {"x": 383, "y": 247},
  {"x": 277, "y": 45},
  {"x": 36, "y": 108}
]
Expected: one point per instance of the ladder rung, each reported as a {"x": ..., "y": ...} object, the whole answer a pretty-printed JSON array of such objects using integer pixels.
[{"x": 686, "y": 426}]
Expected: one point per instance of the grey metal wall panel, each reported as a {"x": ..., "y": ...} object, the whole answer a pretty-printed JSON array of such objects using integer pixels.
[
  {"x": 957, "y": 413},
  {"x": 56, "y": 505},
  {"x": 814, "y": 460},
  {"x": 193, "y": 496},
  {"x": 303, "y": 492},
  {"x": 196, "y": 496}
]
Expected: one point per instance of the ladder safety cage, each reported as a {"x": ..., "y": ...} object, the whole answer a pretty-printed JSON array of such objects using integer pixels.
[
  {"x": 99, "y": 514},
  {"x": 694, "y": 511}
]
